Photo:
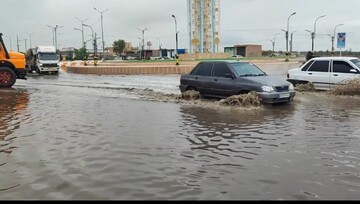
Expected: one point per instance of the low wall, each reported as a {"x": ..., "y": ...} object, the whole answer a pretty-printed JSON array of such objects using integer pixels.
[
  {"x": 131, "y": 70},
  {"x": 197, "y": 56}
]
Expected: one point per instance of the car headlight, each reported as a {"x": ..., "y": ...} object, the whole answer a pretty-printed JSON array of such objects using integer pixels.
[
  {"x": 40, "y": 65},
  {"x": 291, "y": 87},
  {"x": 268, "y": 88}
]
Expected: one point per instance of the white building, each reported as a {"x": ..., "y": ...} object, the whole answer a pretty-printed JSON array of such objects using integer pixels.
[{"x": 204, "y": 25}]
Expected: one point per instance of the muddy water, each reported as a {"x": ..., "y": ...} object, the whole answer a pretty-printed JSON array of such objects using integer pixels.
[{"x": 126, "y": 137}]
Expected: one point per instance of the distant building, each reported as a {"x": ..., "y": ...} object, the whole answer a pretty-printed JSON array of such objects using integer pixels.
[
  {"x": 204, "y": 25},
  {"x": 244, "y": 50}
]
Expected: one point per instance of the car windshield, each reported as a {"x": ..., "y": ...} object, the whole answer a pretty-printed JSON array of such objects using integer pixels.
[
  {"x": 48, "y": 56},
  {"x": 244, "y": 69},
  {"x": 356, "y": 62}
]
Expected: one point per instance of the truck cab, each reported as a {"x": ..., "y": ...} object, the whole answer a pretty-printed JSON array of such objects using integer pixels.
[
  {"x": 12, "y": 66},
  {"x": 43, "y": 59}
]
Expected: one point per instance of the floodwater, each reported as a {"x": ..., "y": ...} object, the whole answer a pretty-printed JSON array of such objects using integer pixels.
[{"x": 122, "y": 137}]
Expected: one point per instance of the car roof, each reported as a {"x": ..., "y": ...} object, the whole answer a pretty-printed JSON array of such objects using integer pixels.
[
  {"x": 228, "y": 61},
  {"x": 335, "y": 58}
]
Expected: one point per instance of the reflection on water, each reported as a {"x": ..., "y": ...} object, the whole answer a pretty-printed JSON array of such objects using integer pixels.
[
  {"x": 13, "y": 103},
  {"x": 13, "y": 114}
]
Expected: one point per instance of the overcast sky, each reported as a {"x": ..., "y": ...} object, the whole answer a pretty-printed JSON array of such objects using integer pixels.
[{"x": 242, "y": 21}]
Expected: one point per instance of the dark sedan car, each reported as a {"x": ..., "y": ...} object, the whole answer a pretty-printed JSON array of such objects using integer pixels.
[{"x": 221, "y": 79}]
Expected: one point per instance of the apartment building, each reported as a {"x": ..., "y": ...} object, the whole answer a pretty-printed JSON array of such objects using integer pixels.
[{"x": 204, "y": 25}]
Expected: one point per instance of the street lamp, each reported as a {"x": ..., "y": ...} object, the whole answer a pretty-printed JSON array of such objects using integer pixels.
[
  {"x": 143, "y": 41},
  {"x": 82, "y": 34},
  {"x": 314, "y": 33},
  {"x": 82, "y": 29},
  {"x": 102, "y": 29},
  {"x": 92, "y": 36},
  {"x": 273, "y": 42},
  {"x": 287, "y": 32},
  {"x": 177, "y": 42},
  {"x": 160, "y": 47},
  {"x": 333, "y": 39},
  {"x": 292, "y": 41},
  {"x": 311, "y": 33},
  {"x": 55, "y": 34}
]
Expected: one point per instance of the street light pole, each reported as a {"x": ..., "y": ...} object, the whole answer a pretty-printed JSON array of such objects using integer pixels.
[
  {"x": 92, "y": 36},
  {"x": 83, "y": 43},
  {"x": 333, "y": 39},
  {"x": 143, "y": 41},
  {"x": 176, "y": 36},
  {"x": 102, "y": 29},
  {"x": 311, "y": 33},
  {"x": 314, "y": 33},
  {"x": 82, "y": 29},
  {"x": 159, "y": 47},
  {"x": 55, "y": 31},
  {"x": 292, "y": 41},
  {"x": 287, "y": 32},
  {"x": 177, "y": 41},
  {"x": 273, "y": 42}
]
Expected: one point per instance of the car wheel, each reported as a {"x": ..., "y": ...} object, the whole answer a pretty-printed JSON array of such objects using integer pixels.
[
  {"x": 7, "y": 77},
  {"x": 191, "y": 89}
]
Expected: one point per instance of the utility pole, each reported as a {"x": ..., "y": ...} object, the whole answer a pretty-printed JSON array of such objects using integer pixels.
[
  {"x": 30, "y": 34},
  {"x": 17, "y": 43},
  {"x": 102, "y": 29},
  {"x": 25, "y": 45}
]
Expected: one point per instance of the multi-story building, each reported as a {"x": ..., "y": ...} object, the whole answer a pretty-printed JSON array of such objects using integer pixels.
[{"x": 204, "y": 25}]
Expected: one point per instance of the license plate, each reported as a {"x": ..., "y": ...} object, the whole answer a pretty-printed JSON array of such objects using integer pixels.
[{"x": 285, "y": 95}]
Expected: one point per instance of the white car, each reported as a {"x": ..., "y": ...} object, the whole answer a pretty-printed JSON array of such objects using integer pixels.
[{"x": 326, "y": 72}]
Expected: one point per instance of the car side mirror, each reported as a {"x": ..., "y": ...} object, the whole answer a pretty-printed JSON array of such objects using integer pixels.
[
  {"x": 353, "y": 71},
  {"x": 230, "y": 76}
]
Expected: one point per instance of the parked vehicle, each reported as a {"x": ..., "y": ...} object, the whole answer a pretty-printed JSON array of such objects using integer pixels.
[
  {"x": 326, "y": 72},
  {"x": 221, "y": 79},
  {"x": 42, "y": 59},
  {"x": 12, "y": 66}
]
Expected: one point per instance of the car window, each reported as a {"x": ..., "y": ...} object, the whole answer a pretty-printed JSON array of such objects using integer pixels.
[
  {"x": 356, "y": 62},
  {"x": 306, "y": 67},
  {"x": 245, "y": 69},
  {"x": 205, "y": 69},
  {"x": 221, "y": 69},
  {"x": 196, "y": 69},
  {"x": 320, "y": 66},
  {"x": 342, "y": 67}
]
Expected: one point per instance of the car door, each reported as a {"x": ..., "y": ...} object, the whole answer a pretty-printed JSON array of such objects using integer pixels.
[
  {"x": 202, "y": 77},
  {"x": 319, "y": 74},
  {"x": 222, "y": 84},
  {"x": 341, "y": 72}
]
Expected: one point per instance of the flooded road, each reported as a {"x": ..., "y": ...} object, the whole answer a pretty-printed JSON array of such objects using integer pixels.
[{"x": 113, "y": 137}]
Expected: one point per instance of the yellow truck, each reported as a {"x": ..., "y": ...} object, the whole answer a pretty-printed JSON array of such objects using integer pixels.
[{"x": 12, "y": 66}]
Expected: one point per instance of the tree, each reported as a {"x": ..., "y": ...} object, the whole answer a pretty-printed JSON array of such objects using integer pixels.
[
  {"x": 81, "y": 54},
  {"x": 119, "y": 46}
]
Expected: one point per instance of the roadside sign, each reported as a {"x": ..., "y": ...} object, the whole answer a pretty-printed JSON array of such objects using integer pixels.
[{"x": 341, "y": 40}]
